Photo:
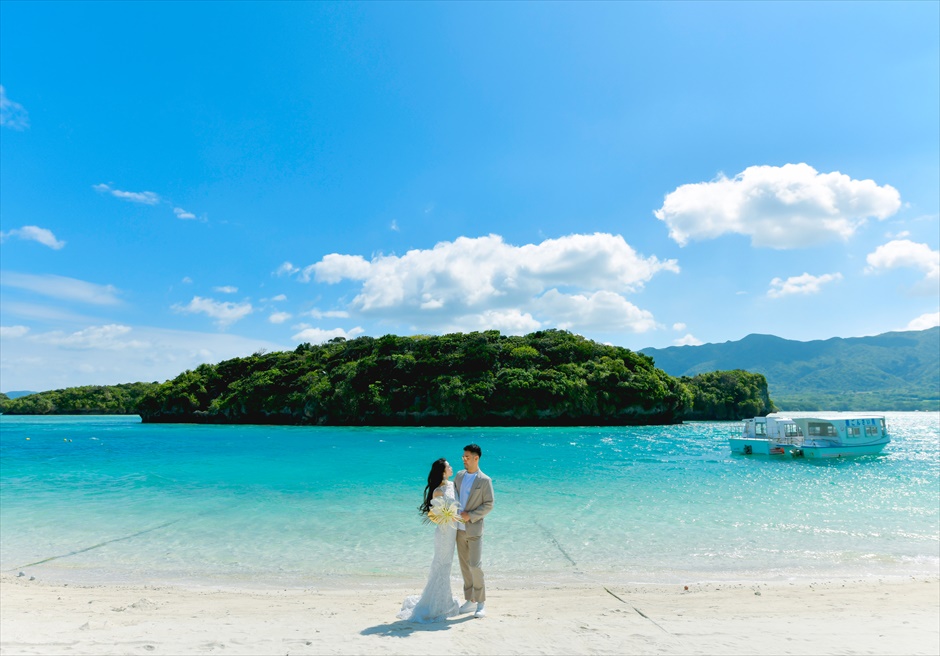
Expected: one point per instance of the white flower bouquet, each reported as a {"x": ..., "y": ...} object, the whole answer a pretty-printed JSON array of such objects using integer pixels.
[{"x": 443, "y": 512}]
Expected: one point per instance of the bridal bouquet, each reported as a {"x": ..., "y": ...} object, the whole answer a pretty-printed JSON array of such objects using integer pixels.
[{"x": 444, "y": 512}]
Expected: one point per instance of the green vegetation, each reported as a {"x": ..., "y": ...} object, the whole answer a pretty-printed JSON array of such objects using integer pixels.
[
  {"x": 546, "y": 378},
  {"x": 88, "y": 400},
  {"x": 728, "y": 395},
  {"x": 892, "y": 371},
  {"x": 550, "y": 377}
]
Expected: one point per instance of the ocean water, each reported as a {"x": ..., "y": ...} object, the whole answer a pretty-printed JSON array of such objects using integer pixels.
[{"x": 112, "y": 499}]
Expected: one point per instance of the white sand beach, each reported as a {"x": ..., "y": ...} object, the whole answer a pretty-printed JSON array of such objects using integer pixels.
[{"x": 833, "y": 617}]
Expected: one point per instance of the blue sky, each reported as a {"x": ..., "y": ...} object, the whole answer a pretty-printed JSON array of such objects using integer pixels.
[{"x": 188, "y": 182}]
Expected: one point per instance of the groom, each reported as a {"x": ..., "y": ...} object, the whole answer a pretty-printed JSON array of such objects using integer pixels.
[{"x": 475, "y": 494}]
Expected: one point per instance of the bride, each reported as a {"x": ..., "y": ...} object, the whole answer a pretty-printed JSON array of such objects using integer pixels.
[{"x": 436, "y": 603}]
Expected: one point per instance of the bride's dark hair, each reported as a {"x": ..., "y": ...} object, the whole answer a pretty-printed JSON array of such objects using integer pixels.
[{"x": 435, "y": 478}]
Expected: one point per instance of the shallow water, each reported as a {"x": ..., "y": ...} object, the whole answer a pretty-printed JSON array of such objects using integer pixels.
[{"x": 109, "y": 498}]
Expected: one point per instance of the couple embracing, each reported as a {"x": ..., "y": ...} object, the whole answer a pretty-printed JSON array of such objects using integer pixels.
[{"x": 471, "y": 492}]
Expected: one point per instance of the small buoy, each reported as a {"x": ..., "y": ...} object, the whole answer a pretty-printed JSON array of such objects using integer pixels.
[
  {"x": 27, "y": 439},
  {"x": 686, "y": 587}
]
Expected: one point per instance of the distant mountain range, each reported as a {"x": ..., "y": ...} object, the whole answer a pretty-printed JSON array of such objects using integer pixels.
[{"x": 891, "y": 371}]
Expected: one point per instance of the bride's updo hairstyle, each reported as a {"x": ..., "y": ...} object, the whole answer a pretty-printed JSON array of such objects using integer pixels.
[{"x": 435, "y": 478}]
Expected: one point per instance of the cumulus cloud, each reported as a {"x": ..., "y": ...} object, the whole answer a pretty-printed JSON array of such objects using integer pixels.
[
  {"x": 60, "y": 287},
  {"x": 226, "y": 289},
  {"x": 279, "y": 317},
  {"x": 576, "y": 281},
  {"x": 183, "y": 214},
  {"x": 34, "y": 233},
  {"x": 924, "y": 321},
  {"x": 688, "y": 340},
  {"x": 335, "y": 267},
  {"x": 805, "y": 284},
  {"x": 318, "y": 335},
  {"x": 278, "y": 298},
  {"x": 679, "y": 327},
  {"x": 602, "y": 309},
  {"x": 145, "y": 197},
  {"x": 789, "y": 206},
  {"x": 905, "y": 253},
  {"x": 12, "y": 114},
  {"x": 224, "y": 313}
]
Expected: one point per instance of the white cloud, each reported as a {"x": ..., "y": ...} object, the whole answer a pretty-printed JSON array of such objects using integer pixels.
[
  {"x": 394, "y": 226},
  {"x": 318, "y": 335},
  {"x": 13, "y": 332},
  {"x": 329, "y": 314},
  {"x": 34, "y": 233},
  {"x": 688, "y": 340},
  {"x": 575, "y": 281},
  {"x": 226, "y": 289},
  {"x": 68, "y": 289},
  {"x": 224, "y": 313},
  {"x": 183, "y": 214},
  {"x": 777, "y": 207},
  {"x": 279, "y": 317},
  {"x": 513, "y": 322},
  {"x": 107, "y": 355},
  {"x": 679, "y": 327},
  {"x": 145, "y": 197},
  {"x": 286, "y": 269},
  {"x": 804, "y": 284},
  {"x": 187, "y": 280},
  {"x": 924, "y": 321},
  {"x": 600, "y": 310},
  {"x": 12, "y": 114},
  {"x": 905, "y": 253},
  {"x": 335, "y": 267},
  {"x": 278, "y": 298},
  {"x": 111, "y": 337}
]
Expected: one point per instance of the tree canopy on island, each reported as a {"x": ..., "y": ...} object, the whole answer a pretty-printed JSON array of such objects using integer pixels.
[
  {"x": 549, "y": 377},
  {"x": 86, "y": 400}
]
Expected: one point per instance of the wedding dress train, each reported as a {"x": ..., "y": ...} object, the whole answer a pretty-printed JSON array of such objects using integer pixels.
[{"x": 436, "y": 603}]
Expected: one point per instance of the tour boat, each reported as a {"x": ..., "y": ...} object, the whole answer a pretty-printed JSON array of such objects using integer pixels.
[
  {"x": 839, "y": 435},
  {"x": 769, "y": 436},
  {"x": 835, "y": 435}
]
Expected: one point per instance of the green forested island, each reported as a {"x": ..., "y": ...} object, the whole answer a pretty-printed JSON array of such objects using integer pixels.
[
  {"x": 85, "y": 400},
  {"x": 548, "y": 377},
  {"x": 891, "y": 371}
]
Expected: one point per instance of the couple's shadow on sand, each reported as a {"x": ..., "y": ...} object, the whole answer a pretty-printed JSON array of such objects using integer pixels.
[{"x": 403, "y": 628}]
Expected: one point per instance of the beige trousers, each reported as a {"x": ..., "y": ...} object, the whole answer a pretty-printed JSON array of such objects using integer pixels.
[{"x": 470, "y": 555}]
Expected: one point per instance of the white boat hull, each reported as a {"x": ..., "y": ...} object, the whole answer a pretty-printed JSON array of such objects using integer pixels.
[
  {"x": 756, "y": 446},
  {"x": 840, "y": 451}
]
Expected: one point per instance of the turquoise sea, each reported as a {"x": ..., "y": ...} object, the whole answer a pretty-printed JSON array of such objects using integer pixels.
[{"x": 112, "y": 499}]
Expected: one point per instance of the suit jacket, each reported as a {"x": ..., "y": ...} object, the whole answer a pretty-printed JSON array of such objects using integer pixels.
[{"x": 479, "y": 503}]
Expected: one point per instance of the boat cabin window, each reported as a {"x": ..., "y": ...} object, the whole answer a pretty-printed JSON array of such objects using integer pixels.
[
  {"x": 871, "y": 430},
  {"x": 818, "y": 429},
  {"x": 855, "y": 431},
  {"x": 792, "y": 430},
  {"x": 760, "y": 429}
]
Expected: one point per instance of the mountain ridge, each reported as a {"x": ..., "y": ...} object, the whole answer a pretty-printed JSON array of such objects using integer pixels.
[{"x": 898, "y": 370}]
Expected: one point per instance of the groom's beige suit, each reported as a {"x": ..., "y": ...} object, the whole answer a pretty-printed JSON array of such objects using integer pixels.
[{"x": 470, "y": 539}]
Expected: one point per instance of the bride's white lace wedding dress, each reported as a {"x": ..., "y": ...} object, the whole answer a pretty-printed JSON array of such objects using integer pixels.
[{"x": 436, "y": 603}]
